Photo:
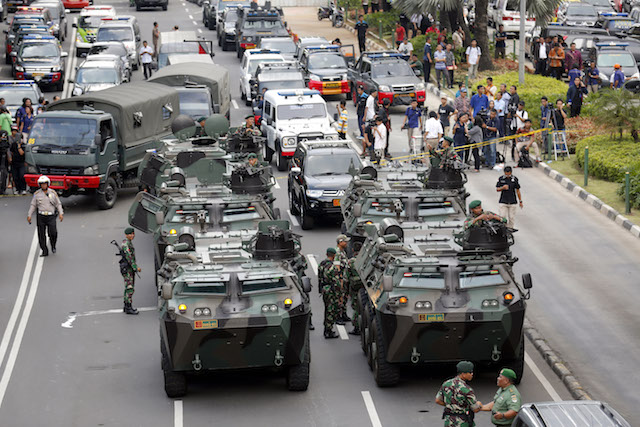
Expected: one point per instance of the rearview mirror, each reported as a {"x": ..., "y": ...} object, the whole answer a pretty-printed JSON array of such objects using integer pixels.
[
  {"x": 296, "y": 170},
  {"x": 306, "y": 284},
  {"x": 74, "y": 25},
  {"x": 357, "y": 210},
  {"x": 160, "y": 217},
  {"x": 64, "y": 54},
  {"x": 387, "y": 283},
  {"x": 167, "y": 291},
  {"x": 527, "y": 283}
]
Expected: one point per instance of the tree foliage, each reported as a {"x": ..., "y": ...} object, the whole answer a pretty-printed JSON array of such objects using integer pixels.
[{"x": 616, "y": 111}]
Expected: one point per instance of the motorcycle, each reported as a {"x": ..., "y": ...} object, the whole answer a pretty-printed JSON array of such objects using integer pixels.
[
  {"x": 332, "y": 12},
  {"x": 324, "y": 12}
]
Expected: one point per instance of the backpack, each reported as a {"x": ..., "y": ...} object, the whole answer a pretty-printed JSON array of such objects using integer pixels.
[{"x": 525, "y": 160}]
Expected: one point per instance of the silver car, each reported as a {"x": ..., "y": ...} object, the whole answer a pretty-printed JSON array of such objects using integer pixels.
[
  {"x": 98, "y": 73},
  {"x": 112, "y": 48}
]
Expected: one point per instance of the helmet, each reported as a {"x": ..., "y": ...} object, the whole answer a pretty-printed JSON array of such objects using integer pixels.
[
  {"x": 616, "y": 66},
  {"x": 44, "y": 180}
]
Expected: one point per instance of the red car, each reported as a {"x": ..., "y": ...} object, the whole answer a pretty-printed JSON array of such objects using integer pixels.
[{"x": 76, "y": 4}]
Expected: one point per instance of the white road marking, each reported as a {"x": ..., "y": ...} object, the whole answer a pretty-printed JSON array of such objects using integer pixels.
[
  {"x": 342, "y": 331},
  {"x": 72, "y": 316},
  {"x": 22, "y": 326},
  {"x": 543, "y": 380},
  {"x": 177, "y": 413},
  {"x": 190, "y": 16},
  {"x": 234, "y": 103},
  {"x": 194, "y": 23},
  {"x": 313, "y": 262},
  {"x": 71, "y": 65},
  {"x": 200, "y": 30},
  {"x": 24, "y": 284},
  {"x": 293, "y": 219},
  {"x": 371, "y": 409},
  {"x": 276, "y": 185}
]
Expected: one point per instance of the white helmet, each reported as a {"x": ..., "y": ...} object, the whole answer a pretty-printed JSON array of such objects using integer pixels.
[{"x": 44, "y": 180}]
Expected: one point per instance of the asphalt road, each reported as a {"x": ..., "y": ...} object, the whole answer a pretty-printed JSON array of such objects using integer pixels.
[{"x": 69, "y": 357}]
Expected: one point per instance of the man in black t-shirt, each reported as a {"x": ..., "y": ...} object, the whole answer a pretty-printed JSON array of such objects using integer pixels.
[
  {"x": 509, "y": 187},
  {"x": 444, "y": 111},
  {"x": 17, "y": 160},
  {"x": 361, "y": 29},
  {"x": 501, "y": 38}
]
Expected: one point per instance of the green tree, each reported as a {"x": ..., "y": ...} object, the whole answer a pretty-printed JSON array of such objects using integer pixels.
[{"x": 617, "y": 110}]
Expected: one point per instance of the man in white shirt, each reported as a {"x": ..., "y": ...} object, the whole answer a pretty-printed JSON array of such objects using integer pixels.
[
  {"x": 380, "y": 138},
  {"x": 370, "y": 106},
  {"x": 521, "y": 116},
  {"x": 406, "y": 47},
  {"x": 473, "y": 58},
  {"x": 146, "y": 56},
  {"x": 433, "y": 130}
]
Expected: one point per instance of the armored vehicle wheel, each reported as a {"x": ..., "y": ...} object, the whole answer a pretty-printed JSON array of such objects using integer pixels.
[
  {"x": 298, "y": 375},
  {"x": 292, "y": 205},
  {"x": 306, "y": 220},
  {"x": 385, "y": 373},
  {"x": 268, "y": 153},
  {"x": 175, "y": 383},
  {"x": 518, "y": 364},
  {"x": 364, "y": 318},
  {"x": 106, "y": 197}
]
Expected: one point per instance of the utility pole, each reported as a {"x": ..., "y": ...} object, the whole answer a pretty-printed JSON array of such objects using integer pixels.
[{"x": 523, "y": 20}]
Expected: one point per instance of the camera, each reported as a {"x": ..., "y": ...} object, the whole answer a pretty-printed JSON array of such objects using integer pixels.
[
  {"x": 483, "y": 114},
  {"x": 512, "y": 108}
]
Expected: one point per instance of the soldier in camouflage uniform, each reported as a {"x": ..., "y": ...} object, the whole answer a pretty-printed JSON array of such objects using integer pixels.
[
  {"x": 129, "y": 273},
  {"x": 248, "y": 128},
  {"x": 459, "y": 400},
  {"x": 341, "y": 262},
  {"x": 354, "y": 283},
  {"x": 478, "y": 217},
  {"x": 445, "y": 157},
  {"x": 328, "y": 285}
]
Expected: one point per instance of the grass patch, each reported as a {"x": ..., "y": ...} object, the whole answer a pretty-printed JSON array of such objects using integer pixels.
[{"x": 604, "y": 190}]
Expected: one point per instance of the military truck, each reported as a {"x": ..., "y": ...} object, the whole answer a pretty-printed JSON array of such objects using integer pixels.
[
  {"x": 203, "y": 88},
  {"x": 93, "y": 143},
  {"x": 427, "y": 300},
  {"x": 234, "y": 302},
  {"x": 252, "y": 25}
]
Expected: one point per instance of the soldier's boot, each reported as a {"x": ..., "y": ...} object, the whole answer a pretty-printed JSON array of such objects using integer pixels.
[
  {"x": 311, "y": 327},
  {"x": 132, "y": 309},
  {"x": 129, "y": 310},
  {"x": 339, "y": 321},
  {"x": 355, "y": 331},
  {"x": 330, "y": 333},
  {"x": 345, "y": 318}
]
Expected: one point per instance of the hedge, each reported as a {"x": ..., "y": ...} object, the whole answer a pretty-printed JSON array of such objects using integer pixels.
[
  {"x": 610, "y": 158},
  {"x": 535, "y": 86}
]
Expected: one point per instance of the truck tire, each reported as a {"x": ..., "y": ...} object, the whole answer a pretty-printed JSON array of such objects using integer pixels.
[
  {"x": 108, "y": 194},
  {"x": 385, "y": 373},
  {"x": 364, "y": 318},
  {"x": 518, "y": 364},
  {"x": 211, "y": 25},
  {"x": 175, "y": 383},
  {"x": 293, "y": 208},
  {"x": 268, "y": 153},
  {"x": 165, "y": 7},
  {"x": 306, "y": 220},
  {"x": 281, "y": 161},
  {"x": 298, "y": 375}
]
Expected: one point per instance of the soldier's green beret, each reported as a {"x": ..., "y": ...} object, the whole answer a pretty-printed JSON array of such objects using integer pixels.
[
  {"x": 465, "y": 367},
  {"x": 448, "y": 139},
  {"x": 201, "y": 119},
  {"x": 249, "y": 116},
  {"x": 508, "y": 373},
  {"x": 129, "y": 230},
  {"x": 252, "y": 156},
  {"x": 475, "y": 204},
  {"x": 331, "y": 251}
]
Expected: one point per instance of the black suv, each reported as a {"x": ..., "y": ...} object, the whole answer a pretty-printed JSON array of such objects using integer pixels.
[
  {"x": 254, "y": 24},
  {"x": 20, "y": 21},
  {"x": 390, "y": 74},
  {"x": 226, "y": 28},
  {"x": 40, "y": 58},
  {"x": 320, "y": 173}
]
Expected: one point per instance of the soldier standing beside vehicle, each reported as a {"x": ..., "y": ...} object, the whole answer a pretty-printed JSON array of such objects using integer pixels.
[
  {"x": 47, "y": 204},
  {"x": 129, "y": 273},
  {"x": 327, "y": 286},
  {"x": 341, "y": 260},
  {"x": 507, "y": 402},
  {"x": 458, "y": 398},
  {"x": 155, "y": 38},
  {"x": 354, "y": 283}
]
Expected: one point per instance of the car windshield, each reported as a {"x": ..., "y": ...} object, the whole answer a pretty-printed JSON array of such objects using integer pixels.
[
  {"x": 231, "y": 16},
  {"x": 388, "y": 68},
  {"x": 203, "y": 287},
  {"x": 39, "y": 50},
  {"x": 115, "y": 34},
  {"x": 386, "y": 207},
  {"x": 422, "y": 280},
  {"x": 625, "y": 59},
  {"x": 96, "y": 75},
  {"x": 17, "y": 23},
  {"x": 581, "y": 10},
  {"x": 600, "y": 3},
  {"x": 262, "y": 25},
  {"x": 435, "y": 208},
  {"x": 480, "y": 276},
  {"x": 113, "y": 49},
  {"x": 284, "y": 46},
  {"x": 335, "y": 164},
  {"x": 282, "y": 84},
  {"x": 253, "y": 63},
  {"x": 326, "y": 60},
  {"x": 195, "y": 103},
  {"x": 62, "y": 132},
  {"x": 176, "y": 49},
  {"x": 301, "y": 111},
  {"x": 90, "y": 21},
  {"x": 15, "y": 95},
  {"x": 249, "y": 286}
]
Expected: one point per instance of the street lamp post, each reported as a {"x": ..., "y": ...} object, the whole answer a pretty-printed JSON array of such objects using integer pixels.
[{"x": 523, "y": 19}]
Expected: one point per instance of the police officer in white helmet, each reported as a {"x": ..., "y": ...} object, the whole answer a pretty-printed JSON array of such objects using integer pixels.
[{"x": 47, "y": 204}]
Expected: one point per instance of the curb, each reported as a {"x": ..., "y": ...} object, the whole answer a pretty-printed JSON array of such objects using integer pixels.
[
  {"x": 437, "y": 92},
  {"x": 592, "y": 200},
  {"x": 555, "y": 362}
]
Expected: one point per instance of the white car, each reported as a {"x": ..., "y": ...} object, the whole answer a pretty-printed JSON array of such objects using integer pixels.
[
  {"x": 290, "y": 116},
  {"x": 250, "y": 61},
  {"x": 98, "y": 73},
  {"x": 88, "y": 22}
]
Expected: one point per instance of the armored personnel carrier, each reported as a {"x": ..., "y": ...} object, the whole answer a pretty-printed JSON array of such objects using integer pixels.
[
  {"x": 425, "y": 299},
  {"x": 401, "y": 193},
  {"x": 234, "y": 300}
]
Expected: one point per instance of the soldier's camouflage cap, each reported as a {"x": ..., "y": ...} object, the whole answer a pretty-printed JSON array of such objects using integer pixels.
[
  {"x": 331, "y": 251},
  {"x": 475, "y": 204},
  {"x": 465, "y": 367},
  {"x": 129, "y": 230},
  {"x": 252, "y": 156},
  {"x": 508, "y": 373},
  {"x": 201, "y": 119},
  {"x": 342, "y": 238},
  {"x": 249, "y": 116}
]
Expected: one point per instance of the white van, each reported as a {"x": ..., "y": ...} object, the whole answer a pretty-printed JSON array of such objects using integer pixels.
[
  {"x": 88, "y": 22},
  {"x": 507, "y": 13}
]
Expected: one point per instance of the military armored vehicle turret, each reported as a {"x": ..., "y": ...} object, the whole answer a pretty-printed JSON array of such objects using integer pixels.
[
  {"x": 425, "y": 299},
  {"x": 234, "y": 300}
]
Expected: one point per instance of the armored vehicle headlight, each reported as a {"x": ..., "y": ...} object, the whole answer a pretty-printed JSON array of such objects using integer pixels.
[
  {"x": 206, "y": 312},
  {"x": 272, "y": 308},
  {"x": 423, "y": 305},
  {"x": 508, "y": 297},
  {"x": 197, "y": 312},
  {"x": 288, "y": 302},
  {"x": 489, "y": 303},
  {"x": 182, "y": 308}
]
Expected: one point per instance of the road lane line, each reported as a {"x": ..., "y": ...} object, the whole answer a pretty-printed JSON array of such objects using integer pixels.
[
  {"x": 371, "y": 409},
  {"x": 194, "y": 23},
  {"x": 177, "y": 413},
  {"x": 22, "y": 326},
  {"x": 190, "y": 16},
  {"x": 293, "y": 219},
  {"x": 200, "y": 30},
  {"x": 342, "y": 331},
  {"x": 17, "y": 307},
  {"x": 70, "y": 64},
  {"x": 543, "y": 380},
  {"x": 72, "y": 316},
  {"x": 235, "y": 104},
  {"x": 276, "y": 185},
  {"x": 313, "y": 262}
]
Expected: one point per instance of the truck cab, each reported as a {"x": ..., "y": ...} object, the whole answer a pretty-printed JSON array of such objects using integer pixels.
[
  {"x": 253, "y": 25},
  {"x": 290, "y": 116}
]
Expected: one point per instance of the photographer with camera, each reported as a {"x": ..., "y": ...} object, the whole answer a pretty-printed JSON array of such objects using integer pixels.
[
  {"x": 490, "y": 127},
  {"x": 476, "y": 137},
  {"x": 526, "y": 142},
  {"x": 380, "y": 138},
  {"x": 479, "y": 101}
]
